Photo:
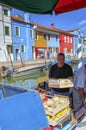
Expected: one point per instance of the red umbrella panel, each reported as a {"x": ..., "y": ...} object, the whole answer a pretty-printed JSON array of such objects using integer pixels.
[{"x": 69, "y": 5}]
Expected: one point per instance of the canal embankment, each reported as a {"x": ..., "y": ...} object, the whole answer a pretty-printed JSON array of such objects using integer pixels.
[{"x": 19, "y": 64}]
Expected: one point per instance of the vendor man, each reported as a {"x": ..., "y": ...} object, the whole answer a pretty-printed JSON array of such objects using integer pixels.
[
  {"x": 60, "y": 70},
  {"x": 79, "y": 90}
]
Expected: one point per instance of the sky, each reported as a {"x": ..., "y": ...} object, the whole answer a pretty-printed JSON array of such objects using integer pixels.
[{"x": 64, "y": 21}]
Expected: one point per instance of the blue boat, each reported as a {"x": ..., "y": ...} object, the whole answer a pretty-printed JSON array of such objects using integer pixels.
[{"x": 21, "y": 109}]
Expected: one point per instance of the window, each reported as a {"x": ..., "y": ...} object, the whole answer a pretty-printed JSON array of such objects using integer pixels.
[
  {"x": 48, "y": 37},
  {"x": 64, "y": 38},
  {"x": 22, "y": 48},
  {"x": 6, "y": 12},
  {"x": 65, "y": 50},
  {"x": 9, "y": 49},
  {"x": 69, "y": 50},
  {"x": 68, "y": 39},
  {"x": 17, "y": 32},
  {"x": 36, "y": 35},
  {"x": 44, "y": 36},
  {"x": 80, "y": 40},
  {"x": 56, "y": 37},
  {"x": 31, "y": 33},
  {"x": 7, "y": 30}
]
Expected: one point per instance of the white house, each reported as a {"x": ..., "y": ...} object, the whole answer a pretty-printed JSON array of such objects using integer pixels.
[{"x": 5, "y": 34}]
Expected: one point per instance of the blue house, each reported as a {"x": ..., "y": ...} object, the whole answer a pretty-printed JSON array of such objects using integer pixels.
[
  {"x": 22, "y": 35},
  {"x": 53, "y": 41},
  {"x": 53, "y": 44},
  {"x": 78, "y": 41}
]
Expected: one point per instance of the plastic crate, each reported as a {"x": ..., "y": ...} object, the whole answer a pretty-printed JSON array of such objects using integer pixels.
[{"x": 23, "y": 112}]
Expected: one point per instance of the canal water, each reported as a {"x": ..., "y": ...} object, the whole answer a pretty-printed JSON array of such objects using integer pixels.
[{"x": 27, "y": 81}]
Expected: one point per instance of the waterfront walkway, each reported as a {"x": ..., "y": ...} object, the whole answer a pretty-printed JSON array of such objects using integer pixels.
[{"x": 20, "y": 64}]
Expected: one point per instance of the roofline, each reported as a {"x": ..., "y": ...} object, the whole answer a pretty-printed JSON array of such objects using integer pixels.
[{"x": 51, "y": 29}]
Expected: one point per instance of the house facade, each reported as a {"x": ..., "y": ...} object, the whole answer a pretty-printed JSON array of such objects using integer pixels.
[
  {"x": 78, "y": 41},
  {"x": 66, "y": 43},
  {"x": 22, "y": 35},
  {"x": 5, "y": 34},
  {"x": 21, "y": 39},
  {"x": 46, "y": 41}
]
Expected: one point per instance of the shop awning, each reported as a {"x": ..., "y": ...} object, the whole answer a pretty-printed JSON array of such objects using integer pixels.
[{"x": 45, "y": 6}]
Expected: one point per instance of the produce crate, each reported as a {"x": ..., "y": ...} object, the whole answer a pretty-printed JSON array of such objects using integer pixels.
[
  {"x": 56, "y": 104},
  {"x": 60, "y": 118},
  {"x": 60, "y": 83}
]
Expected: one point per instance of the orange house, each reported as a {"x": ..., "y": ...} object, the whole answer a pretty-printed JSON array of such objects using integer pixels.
[{"x": 40, "y": 44}]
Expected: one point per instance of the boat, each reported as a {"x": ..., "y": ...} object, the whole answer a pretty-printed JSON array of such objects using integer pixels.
[
  {"x": 30, "y": 69},
  {"x": 27, "y": 70},
  {"x": 73, "y": 61},
  {"x": 18, "y": 106},
  {"x": 20, "y": 102},
  {"x": 10, "y": 71},
  {"x": 7, "y": 71}
]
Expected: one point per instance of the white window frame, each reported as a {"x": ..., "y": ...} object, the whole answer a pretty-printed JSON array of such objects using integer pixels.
[
  {"x": 8, "y": 30},
  {"x": 65, "y": 50},
  {"x": 31, "y": 33},
  {"x": 18, "y": 31},
  {"x": 36, "y": 35},
  {"x": 21, "y": 48},
  {"x": 45, "y": 36},
  {"x": 8, "y": 12},
  {"x": 68, "y": 39},
  {"x": 64, "y": 38}
]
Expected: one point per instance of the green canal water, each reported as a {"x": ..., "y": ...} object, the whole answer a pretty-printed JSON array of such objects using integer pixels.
[{"x": 25, "y": 81}]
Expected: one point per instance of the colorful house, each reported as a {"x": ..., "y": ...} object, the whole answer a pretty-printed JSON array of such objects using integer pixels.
[
  {"x": 66, "y": 43},
  {"x": 46, "y": 41},
  {"x": 78, "y": 40},
  {"x": 22, "y": 35},
  {"x": 5, "y": 34}
]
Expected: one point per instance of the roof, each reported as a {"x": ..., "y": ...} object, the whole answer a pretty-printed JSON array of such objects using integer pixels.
[
  {"x": 38, "y": 26},
  {"x": 73, "y": 30},
  {"x": 18, "y": 18}
]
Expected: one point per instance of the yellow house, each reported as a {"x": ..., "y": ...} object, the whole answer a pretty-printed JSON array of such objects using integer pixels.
[{"x": 40, "y": 39}]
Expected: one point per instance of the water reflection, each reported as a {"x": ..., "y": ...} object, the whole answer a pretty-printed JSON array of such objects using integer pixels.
[{"x": 28, "y": 81}]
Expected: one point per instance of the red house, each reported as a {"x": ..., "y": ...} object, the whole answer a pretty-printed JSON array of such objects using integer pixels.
[{"x": 66, "y": 43}]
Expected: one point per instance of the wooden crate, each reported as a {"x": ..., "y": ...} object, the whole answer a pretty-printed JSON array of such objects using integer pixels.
[
  {"x": 56, "y": 104},
  {"x": 61, "y": 120},
  {"x": 60, "y": 83}
]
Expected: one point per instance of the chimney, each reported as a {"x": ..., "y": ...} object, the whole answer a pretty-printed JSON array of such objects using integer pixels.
[
  {"x": 27, "y": 17},
  {"x": 52, "y": 25}
]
